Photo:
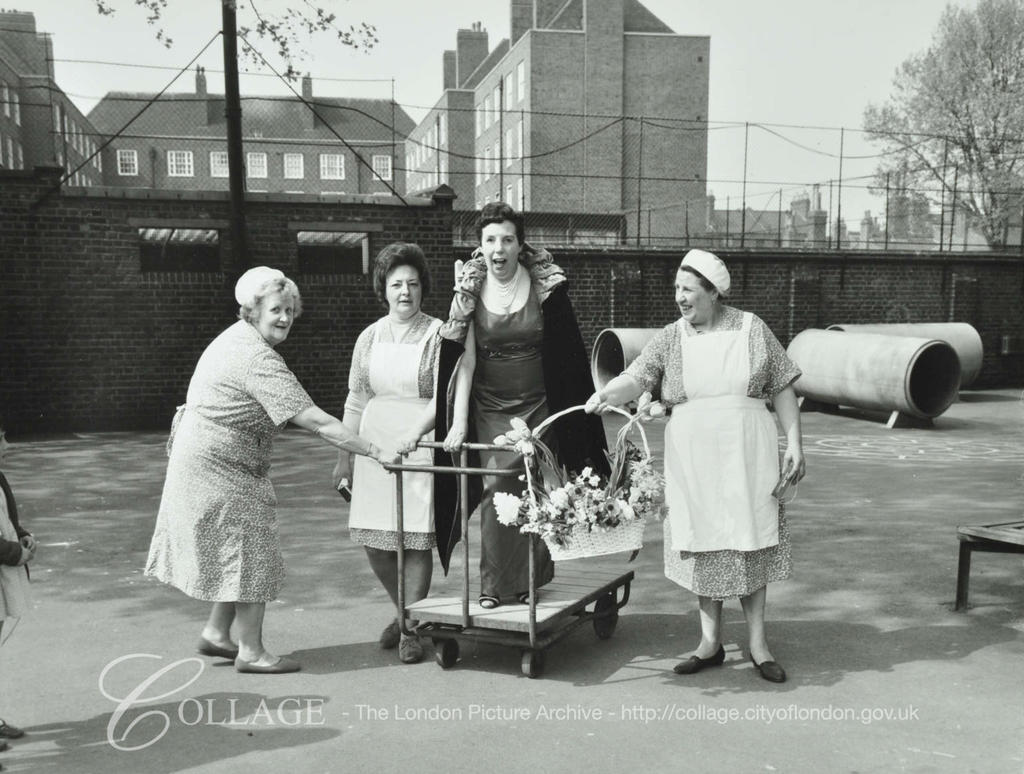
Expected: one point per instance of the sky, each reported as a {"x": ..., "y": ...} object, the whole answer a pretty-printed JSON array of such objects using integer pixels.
[{"x": 802, "y": 69}]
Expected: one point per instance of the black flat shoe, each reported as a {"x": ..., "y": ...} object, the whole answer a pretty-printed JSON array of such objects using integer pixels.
[
  {"x": 207, "y": 648},
  {"x": 694, "y": 664},
  {"x": 770, "y": 671}
]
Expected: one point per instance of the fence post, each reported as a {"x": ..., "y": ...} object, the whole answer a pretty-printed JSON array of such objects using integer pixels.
[
  {"x": 839, "y": 193},
  {"x": 639, "y": 180},
  {"x": 886, "y": 211},
  {"x": 743, "y": 205}
]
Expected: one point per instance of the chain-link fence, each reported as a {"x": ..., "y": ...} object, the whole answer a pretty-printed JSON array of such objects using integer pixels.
[{"x": 593, "y": 180}]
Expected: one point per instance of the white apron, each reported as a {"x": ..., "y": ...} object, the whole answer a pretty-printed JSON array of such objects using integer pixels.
[
  {"x": 721, "y": 450},
  {"x": 395, "y": 405},
  {"x": 14, "y": 594}
]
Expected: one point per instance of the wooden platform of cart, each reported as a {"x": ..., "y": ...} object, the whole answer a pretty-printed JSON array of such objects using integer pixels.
[
  {"x": 570, "y": 592},
  {"x": 1005, "y": 538}
]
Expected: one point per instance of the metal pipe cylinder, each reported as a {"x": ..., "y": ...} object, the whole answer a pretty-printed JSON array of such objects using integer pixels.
[
  {"x": 614, "y": 349},
  {"x": 916, "y": 376},
  {"x": 962, "y": 337}
]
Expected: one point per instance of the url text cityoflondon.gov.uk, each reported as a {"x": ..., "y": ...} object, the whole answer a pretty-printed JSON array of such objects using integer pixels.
[{"x": 638, "y": 713}]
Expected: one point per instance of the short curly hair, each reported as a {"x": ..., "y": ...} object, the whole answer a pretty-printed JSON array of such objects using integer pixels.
[
  {"x": 499, "y": 212},
  {"x": 390, "y": 258},
  {"x": 250, "y": 311}
]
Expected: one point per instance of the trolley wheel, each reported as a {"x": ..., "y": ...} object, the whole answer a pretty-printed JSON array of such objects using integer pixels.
[
  {"x": 606, "y": 616},
  {"x": 532, "y": 663},
  {"x": 446, "y": 653}
]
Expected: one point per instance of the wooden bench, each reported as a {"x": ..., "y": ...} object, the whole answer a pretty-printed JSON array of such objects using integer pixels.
[{"x": 1006, "y": 538}]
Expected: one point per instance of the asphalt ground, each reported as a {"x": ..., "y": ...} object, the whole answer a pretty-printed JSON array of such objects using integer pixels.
[{"x": 884, "y": 676}]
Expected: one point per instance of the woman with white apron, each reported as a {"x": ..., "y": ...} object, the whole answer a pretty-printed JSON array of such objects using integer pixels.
[
  {"x": 390, "y": 401},
  {"x": 725, "y": 535}
]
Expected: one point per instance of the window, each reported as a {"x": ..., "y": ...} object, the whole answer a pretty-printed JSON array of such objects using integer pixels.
[
  {"x": 127, "y": 162},
  {"x": 179, "y": 249},
  {"x": 510, "y": 148},
  {"x": 99, "y": 162},
  {"x": 487, "y": 162},
  {"x": 479, "y": 120},
  {"x": 521, "y": 81},
  {"x": 17, "y": 108},
  {"x": 294, "y": 168},
  {"x": 497, "y": 101},
  {"x": 256, "y": 164},
  {"x": 10, "y": 152},
  {"x": 333, "y": 252},
  {"x": 487, "y": 111},
  {"x": 179, "y": 163},
  {"x": 21, "y": 157},
  {"x": 332, "y": 166},
  {"x": 508, "y": 194},
  {"x": 5, "y": 97},
  {"x": 219, "y": 164},
  {"x": 1, "y": 150},
  {"x": 520, "y": 200},
  {"x": 382, "y": 166},
  {"x": 509, "y": 93},
  {"x": 442, "y": 131}
]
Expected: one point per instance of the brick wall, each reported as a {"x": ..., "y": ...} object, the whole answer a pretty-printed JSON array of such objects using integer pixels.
[{"x": 90, "y": 342}]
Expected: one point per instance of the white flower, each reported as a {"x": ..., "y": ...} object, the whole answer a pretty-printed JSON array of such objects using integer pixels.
[
  {"x": 560, "y": 499},
  {"x": 507, "y": 507},
  {"x": 585, "y": 473}
]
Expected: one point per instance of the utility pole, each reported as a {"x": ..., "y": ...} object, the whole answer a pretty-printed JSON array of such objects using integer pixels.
[{"x": 233, "y": 116}]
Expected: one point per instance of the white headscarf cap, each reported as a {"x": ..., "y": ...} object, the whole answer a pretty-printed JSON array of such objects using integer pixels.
[
  {"x": 711, "y": 266},
  {"x": 250, "y": 283}
]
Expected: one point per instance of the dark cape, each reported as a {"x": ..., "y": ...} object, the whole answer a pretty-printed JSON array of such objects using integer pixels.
[{"x": 567, "y": 382}]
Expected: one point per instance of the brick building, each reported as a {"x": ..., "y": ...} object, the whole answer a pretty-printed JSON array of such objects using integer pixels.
[
  {"x": 309, "y": 146},
  {"x": 591, "y": 106},
  {"x": 39, "y": 125}
]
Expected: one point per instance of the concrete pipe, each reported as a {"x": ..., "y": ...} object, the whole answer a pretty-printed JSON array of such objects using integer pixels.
[
  {"x": 915, "y": 376},
  {"x": 960, "y": 336},
  {"x": 614, "y": 349}
]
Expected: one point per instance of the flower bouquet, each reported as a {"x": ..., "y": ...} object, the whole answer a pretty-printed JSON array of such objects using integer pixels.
[{"x": 584, "y": 514}]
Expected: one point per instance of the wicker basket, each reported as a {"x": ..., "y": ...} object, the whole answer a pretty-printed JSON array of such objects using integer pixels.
[{"x": 626, "y": 537}]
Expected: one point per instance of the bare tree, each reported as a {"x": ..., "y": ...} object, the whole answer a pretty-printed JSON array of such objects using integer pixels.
[
  {"x": 286, "y": 30},
  {"x": 954, "y": 125}
]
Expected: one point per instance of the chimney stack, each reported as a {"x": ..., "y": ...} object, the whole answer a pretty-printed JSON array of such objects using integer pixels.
[
  {"x": 307, "y": 87},
  {"x": 448, "y": 70},
  {"x": 200, "y": 82},
  {"x": 522, "y": 19},
  {"x": 470, "y": 51}
]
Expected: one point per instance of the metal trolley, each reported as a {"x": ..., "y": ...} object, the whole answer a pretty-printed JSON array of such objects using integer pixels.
[{"x": 549, "y": 617}]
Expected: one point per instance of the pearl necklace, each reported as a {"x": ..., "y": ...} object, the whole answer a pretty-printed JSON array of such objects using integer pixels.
[{"x": 505, "y": 292}]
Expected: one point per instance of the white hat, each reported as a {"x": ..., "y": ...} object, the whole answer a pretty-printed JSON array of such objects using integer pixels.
[
  {"x": 710, "y": 266},
  {"x": 253, "y": 281}
]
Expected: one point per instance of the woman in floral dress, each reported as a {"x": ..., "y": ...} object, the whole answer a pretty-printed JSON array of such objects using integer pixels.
[{"x": 216, "y": 535}]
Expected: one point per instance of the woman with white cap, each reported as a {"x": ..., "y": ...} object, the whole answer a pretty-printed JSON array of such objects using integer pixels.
[
  {"x": 216, "y": 535},
  {"x": 726, "y": 534}
]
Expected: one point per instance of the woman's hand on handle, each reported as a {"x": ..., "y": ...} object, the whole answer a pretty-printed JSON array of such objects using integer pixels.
[
  {"x": 456, "y": 437},
  {"x": 596, "y": 404}
]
